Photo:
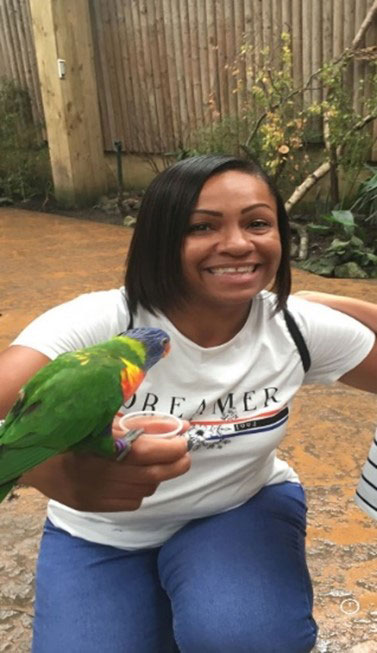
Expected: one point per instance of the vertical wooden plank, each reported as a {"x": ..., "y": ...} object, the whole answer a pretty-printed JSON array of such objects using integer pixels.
[
  {"x": 34, "y": 87},
  {"x": 327, "y": 30},
  {"x": 317, "y": 22},
  {"x": 5, "y": 63},
  {"x": 203, "y": 44},
  {"x": 122, "y": 117},
  {"x": 230, "y": 56},
  {"x": 223, "y": 78},
  {"x": 176, "y": 82},
  {"x": 106, "y": 99},
  {"x": 149, "y": 82},
  {"x": 349, "y": 33},
  {"x": 140, "y": 120},
  {"x": 181, "y": 107},
  {"x": 129, "y": 111},
  {"x": 20, "y": 44},
  {"x": 277, "y": 29},
  {"x": 359, "y": 68},
  {"x": 161, "y": 139},
  {"x": 213, "y": 65},
  {"x": 267, "y": 26},
  {"x": 239, "y": 75},
  {"x": 250, "y": 47},
  {"x": 297, "y": 53},
  {"x": 349, "y": 22},
  {"x": 8, "y": 38},
  {"x": 187, "y": 74},
  {"x": 370, "y": 40},
  {"x": 98, "y": 64},
  {"x": 373, "y": 40},
  {"x": 144, "y": 107},
  {"x": 164, "y": 71},
  {"x": 258, "y": 34},
  {"x": 172, "y": 75},
  {"x": 13, "y": 19},
  {"x": 307, "y": 36},
  {"x": 286, "y": 16},
  {"x": 338, "y": 27}
]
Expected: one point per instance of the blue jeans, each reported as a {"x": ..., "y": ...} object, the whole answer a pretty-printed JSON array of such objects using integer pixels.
[{"x": 234, "y": 582}]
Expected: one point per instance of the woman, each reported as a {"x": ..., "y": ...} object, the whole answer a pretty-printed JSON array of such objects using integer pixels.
[{"x": 214, "y": 559}]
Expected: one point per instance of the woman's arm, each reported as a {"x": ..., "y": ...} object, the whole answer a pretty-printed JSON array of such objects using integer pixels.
[
  {"x": 364, "y": 376},
  {"x": 17, "y": 365},
  {"x": 89, "y": 482},
  {"x": 364, "y": 312}
]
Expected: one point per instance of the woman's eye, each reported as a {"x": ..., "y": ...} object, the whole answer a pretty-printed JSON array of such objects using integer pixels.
[
  {"x": 202, "y": 226},
  {"x": 259, "y": 224}
]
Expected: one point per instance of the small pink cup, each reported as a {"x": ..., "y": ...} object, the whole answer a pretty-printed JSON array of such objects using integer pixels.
[{"x": 155, "y": 424}]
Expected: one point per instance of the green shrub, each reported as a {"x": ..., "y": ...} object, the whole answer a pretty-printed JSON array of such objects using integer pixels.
[{"x": 25, "y": 170}]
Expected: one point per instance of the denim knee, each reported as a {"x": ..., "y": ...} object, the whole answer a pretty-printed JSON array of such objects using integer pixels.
[{"x": 264, "y": 637}]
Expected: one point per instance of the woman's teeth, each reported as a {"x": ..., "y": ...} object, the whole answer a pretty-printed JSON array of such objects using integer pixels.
[{"x": 240, "y": 270}]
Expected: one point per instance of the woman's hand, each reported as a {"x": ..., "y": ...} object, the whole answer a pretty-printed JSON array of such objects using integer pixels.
[{"x": 91, "y": 483}]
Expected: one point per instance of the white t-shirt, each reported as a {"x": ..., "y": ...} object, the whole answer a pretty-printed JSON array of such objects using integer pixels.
[{"x": 237, "y": 395}]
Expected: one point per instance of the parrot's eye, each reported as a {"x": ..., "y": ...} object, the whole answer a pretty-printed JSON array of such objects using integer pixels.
[{"x": 165, "y": 341}]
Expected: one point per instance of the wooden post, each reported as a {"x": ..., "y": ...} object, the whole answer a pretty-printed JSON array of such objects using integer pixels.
[{"x": 62, "y": 30}]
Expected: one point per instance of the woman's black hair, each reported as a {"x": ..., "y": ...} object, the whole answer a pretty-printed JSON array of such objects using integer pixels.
[{"x": 154, "y": 276}]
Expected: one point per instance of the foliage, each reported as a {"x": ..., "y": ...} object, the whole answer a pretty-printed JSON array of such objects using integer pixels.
[
  {"x": 270, "y": 126},
  {"x": 366, "y": 198},
  {"x": 24, "y": 162},
  {"x": 344, "y": 258},
  {"x": 348, "y": 254},
  {"x": 277, "y": 124}
]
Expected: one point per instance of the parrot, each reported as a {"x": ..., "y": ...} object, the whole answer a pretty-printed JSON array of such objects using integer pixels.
[{"x": 70, "y": 403}]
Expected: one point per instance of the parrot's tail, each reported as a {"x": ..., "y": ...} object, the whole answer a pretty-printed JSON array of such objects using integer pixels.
[{"x": 5, "y": 488}]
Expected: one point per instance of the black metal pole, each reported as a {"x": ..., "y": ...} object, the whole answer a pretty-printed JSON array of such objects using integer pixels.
[{"x": 118, "y": 150}]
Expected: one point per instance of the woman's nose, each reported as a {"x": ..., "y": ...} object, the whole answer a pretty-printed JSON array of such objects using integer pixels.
[{"x": 235, "y": 241}]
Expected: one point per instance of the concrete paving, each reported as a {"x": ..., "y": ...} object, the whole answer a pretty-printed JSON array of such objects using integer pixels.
[{"x": 47, "y": 259}]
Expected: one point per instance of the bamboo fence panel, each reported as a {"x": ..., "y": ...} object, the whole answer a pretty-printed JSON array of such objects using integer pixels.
[
  {"x": 167, "y": 68},
  {"x": 338, "y": 27},
  {"x": 307, "y": 59},
  {"x": 297, "y": 45},
  {"x": 17, "y": 53},
  {"x": 167, "y": 136},
  {"x": 349, "y": 33},
  {"x": 359, "y": 67}
]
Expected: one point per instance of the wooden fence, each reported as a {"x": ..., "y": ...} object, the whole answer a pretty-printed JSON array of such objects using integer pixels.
[
  {"x": 167, "y": 67},
  {"x": 17, "y": 52}
]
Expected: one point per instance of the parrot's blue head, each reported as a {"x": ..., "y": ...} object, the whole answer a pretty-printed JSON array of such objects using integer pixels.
[{"x": 156, "y": 344}]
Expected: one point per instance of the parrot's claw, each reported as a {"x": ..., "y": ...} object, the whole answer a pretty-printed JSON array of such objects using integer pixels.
[{"x": 123, "y": 445}]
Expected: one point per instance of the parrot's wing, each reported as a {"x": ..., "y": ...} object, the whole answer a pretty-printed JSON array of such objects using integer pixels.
[{"x": 69, "y": 406}]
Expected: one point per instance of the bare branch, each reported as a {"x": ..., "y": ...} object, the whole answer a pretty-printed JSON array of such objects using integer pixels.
[{"x": 364, "y": 25}]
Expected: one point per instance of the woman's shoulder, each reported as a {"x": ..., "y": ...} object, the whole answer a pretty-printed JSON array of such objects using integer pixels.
[{"x": 80, "y": 322}]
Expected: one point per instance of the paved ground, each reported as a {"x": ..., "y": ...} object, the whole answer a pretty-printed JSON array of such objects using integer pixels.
[{"x": 47, "y": 259}]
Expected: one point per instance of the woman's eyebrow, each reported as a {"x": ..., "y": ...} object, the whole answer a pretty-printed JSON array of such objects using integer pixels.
[
  {"x": 208, "y": 212},
  {"x": 245, "y": 210},
  {"x": 255, "y": 206}
]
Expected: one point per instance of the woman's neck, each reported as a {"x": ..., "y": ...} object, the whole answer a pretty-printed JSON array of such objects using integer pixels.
[{"x": 209, "y": 328}]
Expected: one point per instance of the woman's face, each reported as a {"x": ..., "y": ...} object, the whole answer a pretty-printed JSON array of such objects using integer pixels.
[{"x": 232, "y": 249}]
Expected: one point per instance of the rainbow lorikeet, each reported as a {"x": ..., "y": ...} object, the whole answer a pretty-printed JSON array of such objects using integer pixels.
[{"x": 71, "y": 402}]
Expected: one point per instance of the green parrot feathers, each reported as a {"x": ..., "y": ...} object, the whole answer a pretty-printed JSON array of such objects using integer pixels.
[{"x": 71, "y": 402}]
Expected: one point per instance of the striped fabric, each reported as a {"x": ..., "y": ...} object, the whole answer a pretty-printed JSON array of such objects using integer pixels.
[{"x": 366, "y": 492}]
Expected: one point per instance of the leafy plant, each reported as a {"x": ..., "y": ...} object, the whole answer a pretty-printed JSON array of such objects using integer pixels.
[
  {"x": 344, "y": 258},
  {"x": 24, "y": 163},
  {"x": 366, "y": 199}
]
